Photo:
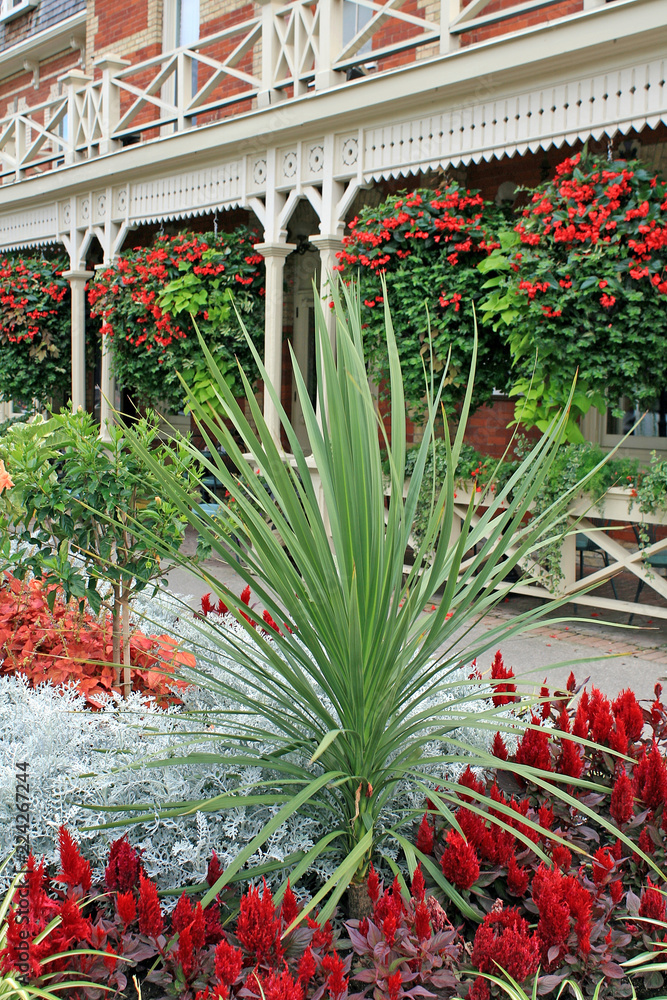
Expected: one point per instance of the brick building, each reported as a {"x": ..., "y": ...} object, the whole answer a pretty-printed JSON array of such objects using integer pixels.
[{"x": 120, "y": 118}]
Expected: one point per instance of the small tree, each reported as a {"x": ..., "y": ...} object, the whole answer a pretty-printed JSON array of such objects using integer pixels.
[
  {"x": 35, "y": 354},
  {"x": 146, "y": 300},
  {"x": 580, "y": 285},
  {"x": 428, "y": 244},
  {"x": 75, "y": 508}
]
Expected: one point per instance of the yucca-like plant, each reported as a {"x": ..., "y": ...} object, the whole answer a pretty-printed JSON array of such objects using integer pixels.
[{"x": 360, "y": 691}]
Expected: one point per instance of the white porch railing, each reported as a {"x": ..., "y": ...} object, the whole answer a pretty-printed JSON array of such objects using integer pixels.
[
  {"x": 282, "y": 53},
  {"x": 613, "y": 513}
]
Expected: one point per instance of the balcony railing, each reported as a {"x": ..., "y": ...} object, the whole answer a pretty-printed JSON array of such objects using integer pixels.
[{"x": 284, "y": 52}]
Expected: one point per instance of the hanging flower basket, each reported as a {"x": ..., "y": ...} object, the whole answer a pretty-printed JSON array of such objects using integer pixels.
[{"x": 147, "y": 300}]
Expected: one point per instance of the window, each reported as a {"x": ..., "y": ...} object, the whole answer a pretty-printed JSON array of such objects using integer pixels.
[
  {"x": 652, "y": 421},
  {"x": 356, "y": 17},
  {"x": 10, "y": 9},
  {"x": 187, "y": 22}
]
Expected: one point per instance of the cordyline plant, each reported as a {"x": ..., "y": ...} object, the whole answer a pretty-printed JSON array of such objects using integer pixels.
[
  {"x": 351, "y": 695},
  {"x": 35, "y": 360},
  {"x": 73, "y": 508}
]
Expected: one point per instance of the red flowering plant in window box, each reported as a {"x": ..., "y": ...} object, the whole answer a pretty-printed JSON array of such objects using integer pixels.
[
  {"x": 35, "y": 360},
  {"x": 428, "y": 244},
  {"x": 582, "y": 283},
  {"x": 146, "y": 298},
  {"x": 595, "y": 905}
]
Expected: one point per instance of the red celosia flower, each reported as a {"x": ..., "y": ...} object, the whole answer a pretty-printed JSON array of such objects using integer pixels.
[
  {"x": 645, "y": 843},
  {"x": 626, "y": 707},
  {"x": 228, "y": 965},
  {"x": 499, "y": 748},
  {"x": 517, "y": 878},
  {"x": 418, "y": 887},
  {"x": 504, "y": 939},
  {"x": 185, "y": 953},
  {"x": 424, "y": 841},
  {"x": 206, "y": 604},
  {"x": 570, "y": 761},
  {"x": 394, "y": 984},
  {"x": 214, "y": 870},
  {"x": 150, "y": 914},
  {"x": 622, "y": 799},
  {"x": 110, "y": 962},
  {"x": 479, "y": 990},
  {"x": 571, "y": 682},
  {"x": 258, "y": 926},
  {"x": 549, "y": 891},
  {"x": 618, "y": 738},
  {"x": 603, "y": 863},
  {"x": 198, "y": 928},
  {"x": 124, "y": 866},
  {"x": 459, "y": 862},
  {"x": 322, "y": 935},
  {"x": 422, "y": 921},
  {"x": 373, "y": 884},
  {"x": 336, "y": 981},
  {"x": 652, "y": 905},
  {"x": 75, "y": 870},
  {"x": 389, "y": 928},
  {"x": 289, "y": 909},
  {"x": 279, "y": 986},
  {"x": 533, "y": 748},
  {"x": 650, "y": 778},
  {"x": 127, "y": 908},
  {"x": 182, "y": 915},
  {"x": 307, "y": 966},
  {"x": 616, "y": 891},
  {"x": 561, "y": 857},
  {"x": 503, "y": 694},
  {"x": 600, "y": 718}
]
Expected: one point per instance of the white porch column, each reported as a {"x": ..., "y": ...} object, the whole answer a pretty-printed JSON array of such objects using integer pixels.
[
  {"x": 107, "y": 384},
  {"x": 274, "y": 255},
  {"x": 328, "y": 247},
  {"x": 77, "y": 280}
]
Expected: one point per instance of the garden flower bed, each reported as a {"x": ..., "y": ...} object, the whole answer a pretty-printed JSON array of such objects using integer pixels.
[{"x": 594, "y": 907}]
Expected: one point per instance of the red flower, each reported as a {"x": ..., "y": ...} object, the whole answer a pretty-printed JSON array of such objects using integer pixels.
[
  {"x": 307, "y": 966},
  {"x": 652, "y": 905},
  {"x": 561, "y": 857},
  {"x": 616, "y": 891},
  {"x": 459, "y": 862},
  {"x": 499, "y": 748},
  {"x": 228, "y": 965},
  {"x": 424, "y": 841},
  {"x": 650, "y": 778},
  {"x": 258, "y": 926},
  {"x": 603, "y": 863},
  {"x": 504, "y": 939},
  {"x": 185, "y": 953},
  {"x": 373, "y": 884},
  {"x": 394, "y": 984},
  {"x": 533, "y": 748},
  {"x": 183, "y": 914},
  {"x": 517, "y": 878},
  {"x": 75, "y": 870},
  {"x": 622, "y": 799},
  {"x": 150, "y": 914},
  {"x": 503, "y": 694},
  {"x": 336, "y": 982},
  {"x": 626, "y": 707},
  {"x": 124, "y": 866},
  {"x": 289, "y": 909},
  {"x": 418, "y": 888},
  {"x": 422, "y": 921},
  {"x": 127, "y": 908},
  {"x": 214, "y": 870}
]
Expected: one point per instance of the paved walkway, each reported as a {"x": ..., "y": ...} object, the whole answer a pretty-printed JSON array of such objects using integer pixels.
[{"x": 619, "y": 657}]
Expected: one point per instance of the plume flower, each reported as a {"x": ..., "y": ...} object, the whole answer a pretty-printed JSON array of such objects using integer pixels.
[
  {"x": 150, "y": 914},
  {"x": 75, "y": 870}
]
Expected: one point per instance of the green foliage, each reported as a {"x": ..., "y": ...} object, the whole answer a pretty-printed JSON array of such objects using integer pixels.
[
  {"x": 146, "y": 300},
  {"x": 579, "y": 286},
  {"x": 35, "y": 354},
  {"x": 76, "y": 501},
  {"x": 353, "y": 696},
  {"x": 428, "y": 244}
]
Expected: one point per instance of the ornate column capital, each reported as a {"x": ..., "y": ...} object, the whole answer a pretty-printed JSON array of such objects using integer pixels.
[{"x": 275, "y": 249}]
